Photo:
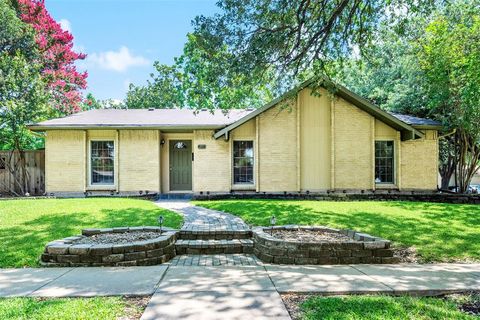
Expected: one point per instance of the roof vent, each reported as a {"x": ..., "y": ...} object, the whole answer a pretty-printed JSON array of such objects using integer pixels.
[
  {"x": 250, "y": 109},
  {"x": 204, "y": 109},
  {"x": 151, "y": 109}
]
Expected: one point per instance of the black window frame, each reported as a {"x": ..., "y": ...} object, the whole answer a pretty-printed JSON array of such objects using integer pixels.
[
  {"x": 109, "y": 157},
  {"x": 385, "y": 162},
  {"x": 247, "y": 178}
]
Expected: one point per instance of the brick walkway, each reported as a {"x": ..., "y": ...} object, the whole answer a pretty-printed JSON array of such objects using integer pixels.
[
  {"x": 202, "y": 219},
  {"x": 208, "y": 260}
]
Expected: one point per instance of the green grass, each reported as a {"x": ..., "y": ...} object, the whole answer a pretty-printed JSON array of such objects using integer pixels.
[
  {"x": 65, "y": 309},
  {"x": 27, "y": 225},
  {"x": 439, "y": 232},
  {"x": 380, "y": 307}
]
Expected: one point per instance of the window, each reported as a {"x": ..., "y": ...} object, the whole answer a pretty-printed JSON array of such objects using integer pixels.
[
  {"x": 3, "y": 163},
  {"x": 243, "y": 162},
  {"x": 102, "y": 162},
  {"x": 384, "y": 162}
]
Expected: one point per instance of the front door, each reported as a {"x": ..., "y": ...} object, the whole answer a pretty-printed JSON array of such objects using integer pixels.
[{"x": 180, "y": 165}]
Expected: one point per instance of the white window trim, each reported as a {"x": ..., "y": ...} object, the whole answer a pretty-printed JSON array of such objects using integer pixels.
[
  {"x": 387, "y": 185},
  {"x": 97, "y": 186},
  {"x": 243, "y": 186}
]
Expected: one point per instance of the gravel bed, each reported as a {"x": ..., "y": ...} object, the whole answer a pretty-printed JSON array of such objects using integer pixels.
[
  {"x": 310, "y": 236},
  {"x": 118, "y": 238}
]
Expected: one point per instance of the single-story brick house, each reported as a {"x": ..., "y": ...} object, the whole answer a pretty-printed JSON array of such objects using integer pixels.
[{"x": 298, "y": 142}]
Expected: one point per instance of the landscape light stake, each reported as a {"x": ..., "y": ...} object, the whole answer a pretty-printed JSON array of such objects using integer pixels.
[
  {"x": 160, "y": 222},
  {"x": 273, "y": 221}
]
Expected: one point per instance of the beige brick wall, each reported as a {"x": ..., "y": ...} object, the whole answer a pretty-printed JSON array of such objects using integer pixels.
[
  {"x": 315, "y": 140},
  {"x": 211, "y": 166},
  {"x": 419, "y": 162},
  {"x": 139, "y": 160},
  {"x": 65, "y": 161},
  {"x": 277, "y": 154},
  {"x": 353, "y": 149}
]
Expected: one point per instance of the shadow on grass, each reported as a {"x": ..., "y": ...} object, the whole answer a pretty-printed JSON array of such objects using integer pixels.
[
  {"x": 23, "y": 243},
  {"x": 440, "y": 232},
  {"x": 380, "y": 307}
]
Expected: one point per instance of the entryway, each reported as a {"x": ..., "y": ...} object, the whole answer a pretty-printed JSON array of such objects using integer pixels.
[{"x": 180, "y": 159}]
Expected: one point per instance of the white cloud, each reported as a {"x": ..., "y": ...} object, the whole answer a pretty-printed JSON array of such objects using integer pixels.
[
  {"x": 66, "y": 25},
  {"x": 118, "y": 61}
]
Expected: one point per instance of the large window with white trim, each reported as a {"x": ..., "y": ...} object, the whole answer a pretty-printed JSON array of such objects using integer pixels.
[
  {"x": 384, "y": 162},
  {"x": 243, "y": 162},
  {"x": 102, "y": 162}
]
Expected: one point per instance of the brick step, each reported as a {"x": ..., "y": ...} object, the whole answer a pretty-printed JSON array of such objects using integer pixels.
[
  {"x": 214, "y": 234},
  {"x": 214, "y": 246}
]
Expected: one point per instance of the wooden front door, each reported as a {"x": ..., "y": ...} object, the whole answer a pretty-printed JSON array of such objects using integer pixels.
[{"x": 180, "y": 165}]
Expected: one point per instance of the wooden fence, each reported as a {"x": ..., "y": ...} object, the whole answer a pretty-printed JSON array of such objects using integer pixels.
[{"x": 35, "y": 160}]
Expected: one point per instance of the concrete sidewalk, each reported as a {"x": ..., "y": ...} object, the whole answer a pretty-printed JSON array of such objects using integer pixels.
[{"x": 235, "y": 292}]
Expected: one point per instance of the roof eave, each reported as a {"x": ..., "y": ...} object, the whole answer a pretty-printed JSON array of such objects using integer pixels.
[
  {"x": 428, "y": 127},
  {"x": 38, "y": 127},
  {"x": 408, "y": 132}
]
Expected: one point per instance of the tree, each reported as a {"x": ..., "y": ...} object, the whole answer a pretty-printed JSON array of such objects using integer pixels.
[
  {"x": 450, "y": 59},
  {"x": 22, "y": 95},
  {"x": 195, "y": 81},
  {"x": 255, "y": 49},
  {"x": 57, "y": 57}
]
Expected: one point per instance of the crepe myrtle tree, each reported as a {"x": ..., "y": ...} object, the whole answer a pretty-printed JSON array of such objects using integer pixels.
[
  {"x": 450, "y": 59},
  {"x": 57, "y": 57}
]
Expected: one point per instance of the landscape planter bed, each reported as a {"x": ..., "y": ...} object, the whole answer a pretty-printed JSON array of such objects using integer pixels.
[
  {"x": 333, "y": 246},
  {"x": 134, "y": 246}
]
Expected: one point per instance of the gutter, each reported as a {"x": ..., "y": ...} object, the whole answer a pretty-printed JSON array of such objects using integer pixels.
[{"x": 35, "y": 127}]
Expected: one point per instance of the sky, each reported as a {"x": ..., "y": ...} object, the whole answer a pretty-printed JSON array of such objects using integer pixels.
[{"x": 122, "y": 38}]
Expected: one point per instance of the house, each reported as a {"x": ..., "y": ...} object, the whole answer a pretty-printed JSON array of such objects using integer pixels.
[{"x": 298, "y": 142}]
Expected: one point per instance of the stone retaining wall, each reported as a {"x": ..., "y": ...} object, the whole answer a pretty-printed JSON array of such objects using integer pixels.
[
  {"x": 63, "y": 253},
  {"x": 363, "y": 248}
]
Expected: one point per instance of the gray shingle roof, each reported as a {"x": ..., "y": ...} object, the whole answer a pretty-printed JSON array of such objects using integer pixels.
[
  {"x": 415, "y": 121},
  {"x": 156, "y": 118}
]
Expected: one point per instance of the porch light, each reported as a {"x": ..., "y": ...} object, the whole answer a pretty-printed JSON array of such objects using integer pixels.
[
  {"x": 273, "y": 221},
  {"x": 160, "y": 222},
  {"x": 162, "y": 142}
]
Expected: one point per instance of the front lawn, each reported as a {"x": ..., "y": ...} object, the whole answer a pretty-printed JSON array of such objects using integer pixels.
[
  {"x": 378, "y": 307},
  {"x": 27, "y": 225},
  {"x": 69, "y": 308},
  {"x": 439, "y": 232}
]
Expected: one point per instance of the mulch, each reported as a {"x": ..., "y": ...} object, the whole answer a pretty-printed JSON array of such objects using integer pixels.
[
  {"x": 118, "y": 238},
  {"x": 310, "y": 236}
]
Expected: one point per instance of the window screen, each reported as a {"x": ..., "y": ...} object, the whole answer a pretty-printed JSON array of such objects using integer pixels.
[
  {"x": 384, "y": 162},
  {"x": 243, "y": 162},
  {"x": 102, "y": 162}
]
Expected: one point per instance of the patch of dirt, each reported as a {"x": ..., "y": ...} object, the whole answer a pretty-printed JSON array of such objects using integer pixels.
[
  {"x": 407, "y": 254},
  {"x": 135, "y": 306},
  {"x": 118, "y": 238},
  {"x": 292, "y": 303},
  {"x": 468, "y": 302},
  {"x": 310, "y": 236}
]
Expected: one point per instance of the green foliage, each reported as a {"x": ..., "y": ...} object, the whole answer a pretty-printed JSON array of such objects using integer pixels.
[
  {"x": 64, "y": 308},
  {"x": 449, "y": 57},
  {"x": 27, "y": 225},
  {"x": 22, "y": 101},
  {"x": 22, "y": 94},
  {"x": 253, "y": 50},
  {"x": 380, "y": 307},
  {"x": 198, "y": 80},
  {"x": 388, "y": 73},
  {"x": 439, "y": 232}
]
